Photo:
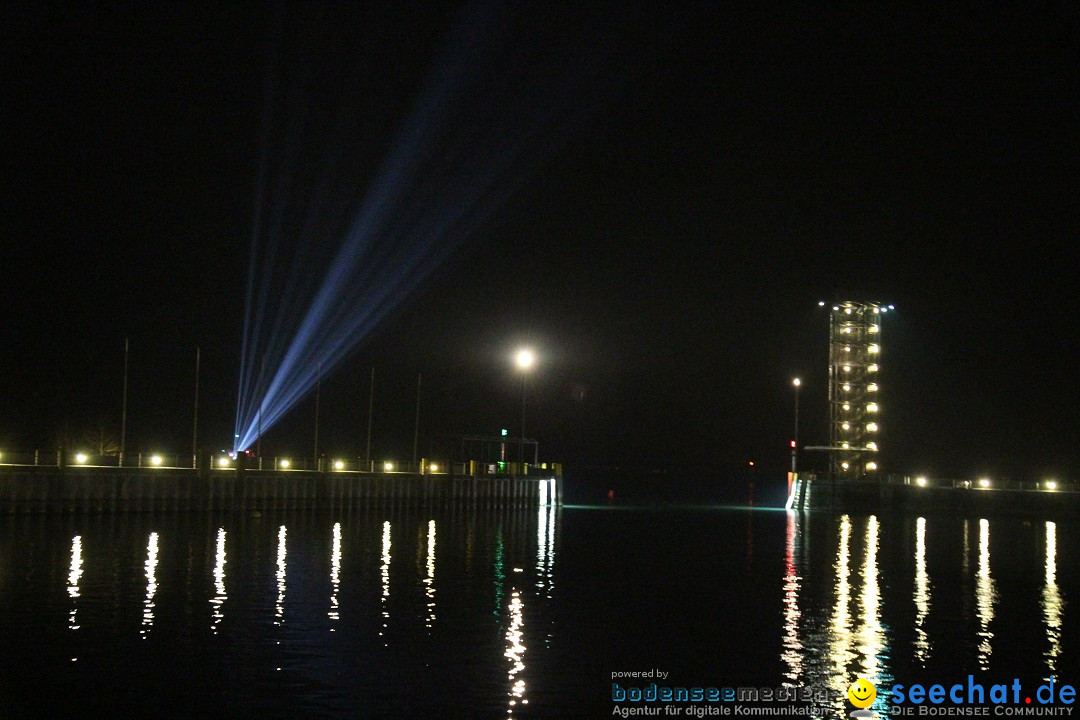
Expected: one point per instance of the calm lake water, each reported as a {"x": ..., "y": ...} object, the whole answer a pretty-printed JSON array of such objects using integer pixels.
[{"x": 514, "y": 613}]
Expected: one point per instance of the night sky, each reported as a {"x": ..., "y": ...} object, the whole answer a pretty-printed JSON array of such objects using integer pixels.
[{"x": 722, "y": 172}]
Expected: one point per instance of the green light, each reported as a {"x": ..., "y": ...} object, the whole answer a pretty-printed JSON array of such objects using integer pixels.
[{"x": 504, "y": 432}]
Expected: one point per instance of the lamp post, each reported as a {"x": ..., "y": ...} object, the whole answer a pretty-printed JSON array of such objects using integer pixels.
[
  {"x": 524, "y": 360},
  {"x": 795, "y": 441}
]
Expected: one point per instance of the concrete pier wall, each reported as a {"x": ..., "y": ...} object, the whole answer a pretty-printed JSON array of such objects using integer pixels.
[
  {"x": 823, "y": 494},
  {"x": 118, "y": 490}
]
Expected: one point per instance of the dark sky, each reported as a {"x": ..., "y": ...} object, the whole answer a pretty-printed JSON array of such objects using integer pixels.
[{"x": 665, "y": 257}]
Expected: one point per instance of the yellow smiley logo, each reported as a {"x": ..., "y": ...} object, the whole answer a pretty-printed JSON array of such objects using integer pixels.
[{"x": 862, "y": 693}]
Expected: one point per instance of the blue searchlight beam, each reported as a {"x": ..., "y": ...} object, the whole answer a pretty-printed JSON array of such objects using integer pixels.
[{"x": 329, "y": 264}]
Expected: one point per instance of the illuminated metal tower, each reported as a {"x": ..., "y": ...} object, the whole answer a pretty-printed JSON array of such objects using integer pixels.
[{"x": 854, "y": 390}]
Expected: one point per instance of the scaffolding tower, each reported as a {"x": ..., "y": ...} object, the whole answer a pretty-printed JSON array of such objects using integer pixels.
[{"x": 854, "y": 389}]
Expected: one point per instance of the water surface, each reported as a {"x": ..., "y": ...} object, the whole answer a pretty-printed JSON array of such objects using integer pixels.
[{"x": 513, "y": 613}]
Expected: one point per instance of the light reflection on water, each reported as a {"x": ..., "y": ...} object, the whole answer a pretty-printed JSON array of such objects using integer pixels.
[
  {"x": 841, "y": 639},
  {"x": 151, "y": 583},
  {"x": 985, "y": 596},
  {"x": 73, "y": 580},
  {"x": 830, "y": 598},
  {"x": 874, "y": 642},
  {"x": 833, "y": 650},
  {"x": 279, "y": 606},
  {"x": 384, "y": 573},
  {"x": 217, "y": 602},
  {"x": 545, "y": 550},
  {"x": 793, "y": 647},
  {"x": 1053, "y": 606},
  {"x": 515, "y": 650},
  {"x": 922, "y": 593},
  {"x": 429, "y": 580},
  {"x": 334, "y": 613}
]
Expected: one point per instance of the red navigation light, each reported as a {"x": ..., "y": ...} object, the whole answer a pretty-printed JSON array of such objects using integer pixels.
[{"x": 792, "y": 443}]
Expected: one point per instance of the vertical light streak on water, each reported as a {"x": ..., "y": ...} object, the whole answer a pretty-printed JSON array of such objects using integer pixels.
[
  {"x": 840, "y": 637},
  {"x": 218, "y": 601},
  {"x": 500, "y": 573},
  {"x": 872, "y": 641},
  {"x": 385, "y": 572},
  {"x": 279, "y": 606},
  {"x": 792, "y": 654},
  {"x": 335, "y": 575},
  {"x": 151, "y": 584},
  {"x": 541, "y": 548},
  {"x": 922, "y": 593},
  {"x": 1052, "y": 604},
  {"x": 551, "y": 549},
  {"x": 429, "y": 581},
  {"x": 74, "y": 574},
  {"x": 985, "y": 596},
  {"x": 515, "y": 651},
  {"x": 965, "y": 563}
]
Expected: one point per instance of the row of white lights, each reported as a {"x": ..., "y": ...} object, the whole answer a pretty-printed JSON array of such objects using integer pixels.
[
  {"x": 82, "y": 458},
  {"x": 849, "y": 310},
  {"x": 872, "y": 387},
  {"x": 985, "y": 483},
  {"x": 285, "y": 464},
  {"x": 869, "y": 446},
  {"x": 870, "y": 427},
  {"x": 226, "y": 461}
]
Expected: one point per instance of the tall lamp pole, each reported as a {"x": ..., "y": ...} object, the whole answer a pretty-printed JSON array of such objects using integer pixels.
[
  {"x": 318, "y": 387},
  {"x": 123, "y": 413},
  {"x": 524, "y": 359},
  {"x": 195, "y": 420},
  {"x": 795, "y": 441}
]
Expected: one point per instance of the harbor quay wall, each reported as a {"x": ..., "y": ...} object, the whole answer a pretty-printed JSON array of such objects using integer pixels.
[
  {"x": 49, "y": 489},
  {"x": 821, "y": 494}
]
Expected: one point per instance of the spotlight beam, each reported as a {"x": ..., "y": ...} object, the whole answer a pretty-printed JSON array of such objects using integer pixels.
[{"x": 325, "y": 270}]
